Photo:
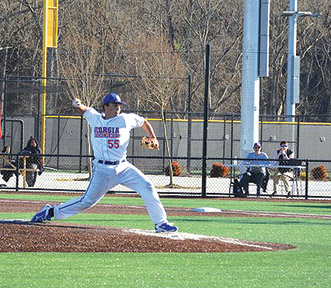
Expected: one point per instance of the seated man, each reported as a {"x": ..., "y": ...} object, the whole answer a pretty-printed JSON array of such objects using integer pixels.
[
  {"x": 33, "y": 162},
  {"x": 255, "y": 174},
  {"x": 284, "y": 154}
]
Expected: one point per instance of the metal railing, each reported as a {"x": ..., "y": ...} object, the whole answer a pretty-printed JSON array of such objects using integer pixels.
[{"x": 71, "y": 174}]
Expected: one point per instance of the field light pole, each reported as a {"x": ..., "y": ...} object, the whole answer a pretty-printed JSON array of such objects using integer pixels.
[{"x": 293, "y": 62}]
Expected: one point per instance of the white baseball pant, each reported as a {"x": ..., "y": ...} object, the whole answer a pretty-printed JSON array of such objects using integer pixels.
[{"x": 104, "y": 178}]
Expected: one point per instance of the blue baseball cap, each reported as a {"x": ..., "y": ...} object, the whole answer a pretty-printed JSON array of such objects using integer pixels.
[
  {"x": 257, "y": 144},
  {"x": 112, "y": 98}
]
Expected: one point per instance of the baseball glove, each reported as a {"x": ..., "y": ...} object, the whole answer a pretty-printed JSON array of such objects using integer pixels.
[{"x": 148, "y": 143}]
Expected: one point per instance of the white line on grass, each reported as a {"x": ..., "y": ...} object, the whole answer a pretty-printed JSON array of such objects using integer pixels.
[{"x": 189, "y": 236}]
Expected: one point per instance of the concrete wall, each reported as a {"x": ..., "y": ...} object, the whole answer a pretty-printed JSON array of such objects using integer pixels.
[{"x": 63, "y": 137}]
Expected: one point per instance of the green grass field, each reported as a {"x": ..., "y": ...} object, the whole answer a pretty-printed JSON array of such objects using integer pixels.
[{"x": 306, "y": 266}]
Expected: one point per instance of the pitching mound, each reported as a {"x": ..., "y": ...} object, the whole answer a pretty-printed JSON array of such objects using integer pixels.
[{"x": 22, "y": 236}]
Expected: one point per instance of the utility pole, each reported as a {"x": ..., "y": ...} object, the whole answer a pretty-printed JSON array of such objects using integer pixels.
[
  {"x": 293, "y": 61},
  {"x": 250, "y": 85}
]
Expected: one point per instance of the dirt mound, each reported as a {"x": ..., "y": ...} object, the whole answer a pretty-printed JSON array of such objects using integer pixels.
[{"x": 22, "y": 236}]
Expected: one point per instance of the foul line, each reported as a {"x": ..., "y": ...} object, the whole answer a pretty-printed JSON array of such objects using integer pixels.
[{"x": 189, "y": 236}]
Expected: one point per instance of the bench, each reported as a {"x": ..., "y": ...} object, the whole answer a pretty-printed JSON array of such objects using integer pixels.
[{"x": 10, "y": 166}]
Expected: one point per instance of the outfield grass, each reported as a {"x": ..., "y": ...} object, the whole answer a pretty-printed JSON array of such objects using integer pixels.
[{"x": 307, "y": 266}]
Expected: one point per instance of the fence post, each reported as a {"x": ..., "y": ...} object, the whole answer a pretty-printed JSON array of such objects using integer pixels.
[
  {"x": 205, "y": 123},
  {"x": 224, "y": 133},
  {"x": 189, "y": 140},
  {"x": 189, "y": 125},
  {"x": 17, "y": 171},
  {"x": 81, "y": 144},
  {"x": 58, "y": 142},
  {"x": 172, "y": 133},
  {"x": 4, "y": 111},
  {"x": 133, "y": 144},
  {"x": 307, "y": 173},
  {"x": 231, "y": 145},
  {"x": 298, "y": 136},
  {"x": 189, "y": 93}
]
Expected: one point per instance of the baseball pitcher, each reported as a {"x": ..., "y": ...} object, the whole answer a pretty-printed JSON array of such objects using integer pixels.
[{"x": 110, "y": 135}]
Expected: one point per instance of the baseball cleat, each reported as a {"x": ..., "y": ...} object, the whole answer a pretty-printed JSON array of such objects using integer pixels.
[
  {"x": 42, "y": 215},
  {"x": 165, "y": 227}
]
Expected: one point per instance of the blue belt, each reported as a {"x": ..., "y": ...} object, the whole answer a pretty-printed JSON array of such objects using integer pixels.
[{"x": 111, "y": 162}]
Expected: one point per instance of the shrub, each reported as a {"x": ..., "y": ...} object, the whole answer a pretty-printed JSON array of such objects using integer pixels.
[
  {"x": 176, "y": 169},
  {"x": 319, "y": 173},
  {"x": 219, "y": 170}
]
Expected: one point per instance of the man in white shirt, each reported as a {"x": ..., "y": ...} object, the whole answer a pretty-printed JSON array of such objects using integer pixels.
[
  {"x": 110, "y": 135},
  {"x": 257, "y": 171}
]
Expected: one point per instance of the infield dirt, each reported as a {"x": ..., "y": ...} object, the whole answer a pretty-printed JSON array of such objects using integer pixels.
[{"x": 23, "y": 236}]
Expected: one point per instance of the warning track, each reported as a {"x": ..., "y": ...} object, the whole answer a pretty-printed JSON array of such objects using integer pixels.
[{"x": 11, "y": 205}]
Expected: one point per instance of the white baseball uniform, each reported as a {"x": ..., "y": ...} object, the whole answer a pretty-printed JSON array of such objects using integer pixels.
[{"x": 110, "y": 139}]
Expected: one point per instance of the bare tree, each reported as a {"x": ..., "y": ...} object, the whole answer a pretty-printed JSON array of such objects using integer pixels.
[
  {"x": 85, "y": 42},
  {"x": 187, "y": 26},
  {"x": 158, "y": 69}
]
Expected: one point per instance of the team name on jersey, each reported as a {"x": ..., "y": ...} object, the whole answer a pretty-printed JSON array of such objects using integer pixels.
[{"x": 106, "y": 132}]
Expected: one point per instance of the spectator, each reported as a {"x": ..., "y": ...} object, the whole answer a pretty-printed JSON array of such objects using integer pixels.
[
  {"x": 32, "y": 162},
  {"x": 255, "y": 174},
  {"x": 283, "y": 155}
]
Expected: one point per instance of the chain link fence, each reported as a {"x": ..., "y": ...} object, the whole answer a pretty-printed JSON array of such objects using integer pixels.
[{"x": 312, "y": 178}]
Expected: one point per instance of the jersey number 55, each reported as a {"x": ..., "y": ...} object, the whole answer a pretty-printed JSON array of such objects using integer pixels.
[{"x": 113, "y": 143}]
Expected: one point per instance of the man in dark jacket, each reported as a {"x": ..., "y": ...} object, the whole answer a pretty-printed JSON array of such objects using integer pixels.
[
  {"x": 32, "y": 162},
  {"x": 284, "y": 154}
]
